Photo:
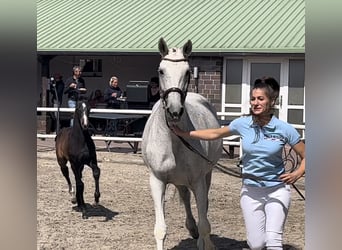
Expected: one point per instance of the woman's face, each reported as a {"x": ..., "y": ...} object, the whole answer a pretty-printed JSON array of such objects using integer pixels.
[
  {"x": 77, "y": 72},
  {"x": 260, "y": 102},
  {"x": 115, "y": 82}
]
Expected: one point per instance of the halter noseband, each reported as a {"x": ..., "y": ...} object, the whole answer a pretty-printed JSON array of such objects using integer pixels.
[{"x": 165, "y": 93}]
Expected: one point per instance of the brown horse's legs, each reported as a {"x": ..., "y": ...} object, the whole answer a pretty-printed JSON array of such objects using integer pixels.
[
  {"x": 65, "y": 172},
  {"x": 79, "y": 190},
  {"x": 96, "y": 175}
]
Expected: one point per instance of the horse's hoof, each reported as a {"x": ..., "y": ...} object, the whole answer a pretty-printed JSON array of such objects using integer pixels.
[
  {"x": 77, "y": 209},
  {"x": 84, "y": 216},
  {"x": 192, "y": 228},
  {"x": 194, "y": 234},
  {"x": 73, "y": 200}
]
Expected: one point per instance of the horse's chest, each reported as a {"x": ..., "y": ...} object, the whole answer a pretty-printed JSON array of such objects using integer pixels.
[{"x": 82, "y": 154}]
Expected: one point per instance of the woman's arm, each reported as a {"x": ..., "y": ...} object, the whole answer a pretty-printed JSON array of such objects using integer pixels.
[
  {"x": 290, "y": 178},
  {"x": 203, "y": 134}
]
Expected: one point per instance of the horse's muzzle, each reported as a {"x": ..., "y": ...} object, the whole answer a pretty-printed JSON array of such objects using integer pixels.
[
  {"x": 85, "y": 124},
  {"x": 174, "y": 116}
]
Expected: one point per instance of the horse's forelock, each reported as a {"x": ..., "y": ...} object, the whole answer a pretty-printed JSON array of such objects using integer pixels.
[{"x": 175, "y": 54}]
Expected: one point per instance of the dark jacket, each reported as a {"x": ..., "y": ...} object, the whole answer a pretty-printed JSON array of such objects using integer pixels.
[
  {"x": 72, "y": 93},
  {"x": 58, "y": 87},
  {"x": 112, "y": 102}
]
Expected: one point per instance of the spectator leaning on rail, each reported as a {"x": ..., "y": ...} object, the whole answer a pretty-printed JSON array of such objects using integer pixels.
[
  {"x": 112, "y": 93},
  {"x": 75, "y": 87},
  {"x": 265, "y": 193}
]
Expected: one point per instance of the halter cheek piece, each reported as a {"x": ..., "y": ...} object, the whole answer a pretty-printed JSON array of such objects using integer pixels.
[{"x": 165, "y": 93}]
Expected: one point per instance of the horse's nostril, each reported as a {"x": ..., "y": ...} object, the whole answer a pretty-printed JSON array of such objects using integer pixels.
[{"x": 175, "y": 115}]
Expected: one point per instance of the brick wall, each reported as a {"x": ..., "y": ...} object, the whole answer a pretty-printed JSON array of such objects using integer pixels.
[{"x": 210, "y": 78}]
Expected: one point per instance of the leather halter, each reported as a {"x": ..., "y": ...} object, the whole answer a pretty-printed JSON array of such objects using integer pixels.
[{"x": 175, "y": 60}]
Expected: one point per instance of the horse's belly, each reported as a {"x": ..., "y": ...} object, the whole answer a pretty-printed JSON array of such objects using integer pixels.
[{"x": 180, "y": 172}]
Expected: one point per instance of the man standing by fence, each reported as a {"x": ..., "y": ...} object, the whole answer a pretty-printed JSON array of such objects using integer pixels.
[{"x": 75, "y": 85}]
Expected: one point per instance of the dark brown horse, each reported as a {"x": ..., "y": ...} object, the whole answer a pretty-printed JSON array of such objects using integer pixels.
[{"x": 74, "y": 144}]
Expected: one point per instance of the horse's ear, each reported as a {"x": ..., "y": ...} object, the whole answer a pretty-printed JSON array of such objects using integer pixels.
[
  {"x": 187, "y": 48},
  {"x": 162, "y": 46}
]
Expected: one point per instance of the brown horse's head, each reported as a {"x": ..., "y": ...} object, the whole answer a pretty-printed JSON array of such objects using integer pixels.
[{"x": 81, "y": 115}]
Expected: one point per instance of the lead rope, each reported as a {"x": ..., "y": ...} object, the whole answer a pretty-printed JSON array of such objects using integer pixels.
[
  {"x": 188, "y": 145},
  {"x": 219, "y": 166}
]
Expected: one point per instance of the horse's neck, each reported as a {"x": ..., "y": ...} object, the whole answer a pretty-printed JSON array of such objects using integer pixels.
[
  {"x": 185, "y": 120},
  {"x": 77, "y": 129}
]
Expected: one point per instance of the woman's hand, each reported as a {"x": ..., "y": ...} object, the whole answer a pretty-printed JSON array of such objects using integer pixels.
[
  {"x": 179, "y": 131},
  {"x": 290, "y": 178}
]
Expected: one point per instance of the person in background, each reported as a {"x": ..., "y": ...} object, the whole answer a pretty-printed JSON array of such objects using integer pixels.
[
  {"x": 153, "y": 94},
  {"x": 112, "y": 93},
  {"x": 98, "y": 98},
  {"x": 75, "y": 88},
  {"x": 56, "y": 90},
  {"x": 57, "y": 86},
  {"x": 265, "y": 195},
  {"x": 99, "y": 124}
]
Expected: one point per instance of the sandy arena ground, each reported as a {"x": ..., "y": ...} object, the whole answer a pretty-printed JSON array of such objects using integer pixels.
[{"x": 125, "y": 217}]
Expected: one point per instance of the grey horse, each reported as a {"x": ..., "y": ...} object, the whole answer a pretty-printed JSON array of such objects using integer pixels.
[{"x": 186, "y": 164}]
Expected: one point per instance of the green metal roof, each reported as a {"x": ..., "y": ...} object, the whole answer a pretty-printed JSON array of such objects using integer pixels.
[{"x": 269, "y": 26}]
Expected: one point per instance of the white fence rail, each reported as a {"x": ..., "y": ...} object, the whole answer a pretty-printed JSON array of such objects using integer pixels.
[{"x": 231, "y": 141}]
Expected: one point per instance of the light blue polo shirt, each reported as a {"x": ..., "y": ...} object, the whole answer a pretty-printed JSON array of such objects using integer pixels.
[{"x": 262, "y": 149}]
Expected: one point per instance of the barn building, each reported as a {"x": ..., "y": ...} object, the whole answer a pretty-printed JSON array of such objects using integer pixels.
[{"x": 234, "y": 42}]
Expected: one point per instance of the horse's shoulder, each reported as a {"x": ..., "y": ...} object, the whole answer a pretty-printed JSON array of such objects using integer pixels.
[
  {"x": 197, "y": 101},
  {"x": 195, "y": 98},
  {"x": 64, "y": 132}
]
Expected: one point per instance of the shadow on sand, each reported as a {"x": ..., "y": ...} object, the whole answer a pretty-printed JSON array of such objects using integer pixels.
[
  {"x": 222, "y": 243},
  {"x": 98, "y": 211}
]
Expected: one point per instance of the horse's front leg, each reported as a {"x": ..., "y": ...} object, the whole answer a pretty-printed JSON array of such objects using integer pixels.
[
  {"x": 204, "y": 229},
  {"x": 80, "y": 189},
  {"x": 190, "y": 222},
  {"x": 158, "y": 194},
  {"x": 96, "y": 175},
  {"x": 65, "y": 172}
]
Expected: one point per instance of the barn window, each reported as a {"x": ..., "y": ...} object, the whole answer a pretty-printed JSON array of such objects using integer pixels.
[{"x": 91, "y": 67}]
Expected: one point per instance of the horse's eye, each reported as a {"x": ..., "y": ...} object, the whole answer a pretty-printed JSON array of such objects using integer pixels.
[{"x": 161, "y": 72}]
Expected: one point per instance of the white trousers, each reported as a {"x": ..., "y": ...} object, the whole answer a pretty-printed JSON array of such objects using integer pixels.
[{"x": 265, "y": 211}]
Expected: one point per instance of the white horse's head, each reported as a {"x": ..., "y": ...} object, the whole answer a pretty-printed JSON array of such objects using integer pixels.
[{"x": 174, "y": 78}]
